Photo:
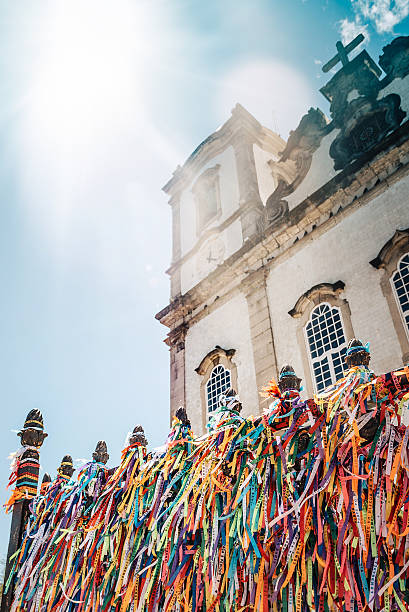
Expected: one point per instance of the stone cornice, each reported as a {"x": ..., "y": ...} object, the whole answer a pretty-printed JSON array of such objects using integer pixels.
[
  {"x": 272, "y": 141},
  {"x": 358, "y": 183},
  {"x": 177, "y": 310},
  {"x": 177, "y": 335},
  {"x": 239, "y": 129}
]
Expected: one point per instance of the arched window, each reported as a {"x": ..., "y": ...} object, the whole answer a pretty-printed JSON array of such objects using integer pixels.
[
  {"x": 218, "y": 372},
  {"x": 327, "y": 344},
  {"x": 400, "y": 282},
  {"x": 393, "y": 262},
  {"x": 218, "y": 383}
]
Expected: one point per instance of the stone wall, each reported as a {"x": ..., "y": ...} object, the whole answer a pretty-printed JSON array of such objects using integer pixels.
[
  {"x": 312, "y": 212},
  {"x": 229, "y": 197},
  {"x": 266, "y": 181},
  {"x": 341, "y": 249},
  {"x": 228, "y": 327}
]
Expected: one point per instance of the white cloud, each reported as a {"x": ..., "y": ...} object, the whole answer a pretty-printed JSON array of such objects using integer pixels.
[
  {"x": 350, "y": 29},
  {"x": 318, "y": 62},
  {"x": 384, "y": 15},
  {"x": 276, "y": 94}
]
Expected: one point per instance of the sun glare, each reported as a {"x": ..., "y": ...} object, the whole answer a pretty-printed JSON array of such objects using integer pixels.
[
  {"x": 278, "y": 103},
  {"x": 92, "y": 55},
  {"x": 89, "y": 69}
]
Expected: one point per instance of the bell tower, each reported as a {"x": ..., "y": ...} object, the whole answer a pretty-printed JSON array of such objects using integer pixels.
[{"x": 218, "y": 200}]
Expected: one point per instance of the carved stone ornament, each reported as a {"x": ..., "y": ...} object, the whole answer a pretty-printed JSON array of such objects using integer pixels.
[
  {"x": 305, "y": 139},
  {"x": 394, "y": 60},
  {"x": 362, "y": 119},
  {"x": 301, "y": 144},
  {"x": 366, "y": 123},
  {"x": 276, "y": 209},
  {"x": 360, "y": 77}
]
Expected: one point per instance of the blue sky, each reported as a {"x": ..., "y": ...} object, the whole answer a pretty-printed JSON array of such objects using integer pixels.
[{"x": 99, "y": 101}]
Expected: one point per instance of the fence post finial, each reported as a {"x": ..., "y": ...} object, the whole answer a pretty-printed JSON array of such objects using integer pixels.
[
  {"x": 25, "y": 471},
  {"x": 100, "y": 455}
]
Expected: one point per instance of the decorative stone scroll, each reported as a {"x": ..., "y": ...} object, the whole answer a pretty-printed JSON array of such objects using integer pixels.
[{"x": 302, "y": 143}]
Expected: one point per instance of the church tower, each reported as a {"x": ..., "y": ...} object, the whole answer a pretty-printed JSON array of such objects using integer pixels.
[
  {"x": 217, "y": 199},
  {"x": 282, "y": 251}
]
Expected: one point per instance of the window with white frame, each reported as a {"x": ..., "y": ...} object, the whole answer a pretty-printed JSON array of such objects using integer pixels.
[
  {"x": 218, "y": 383},
  {"x": 400, "y": 282},
  {"x": 327, "y": 345}
]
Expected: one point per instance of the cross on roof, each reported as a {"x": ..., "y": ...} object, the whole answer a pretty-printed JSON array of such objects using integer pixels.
[{"x": 342, "y": 55}]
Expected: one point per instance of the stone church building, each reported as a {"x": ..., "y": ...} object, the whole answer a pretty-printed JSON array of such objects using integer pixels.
[{"x": 283, "y": 251}]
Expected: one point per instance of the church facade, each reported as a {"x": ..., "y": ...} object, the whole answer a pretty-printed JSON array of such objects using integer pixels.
[{"x": 283, "y": 251}]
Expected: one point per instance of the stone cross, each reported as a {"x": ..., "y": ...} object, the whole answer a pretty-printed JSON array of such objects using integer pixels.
[{"x": 342, "y": 55}]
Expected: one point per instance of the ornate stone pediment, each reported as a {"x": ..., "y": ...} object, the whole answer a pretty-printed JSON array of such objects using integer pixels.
[
  {"x": 396, "y": 244},
  {"x": 366, "y": 123},
  {"x": 213, "y": 358},
  {"x": 315, "y": 295},
  {"x": 362, "y": 118},
  {"x": 360, "y": 77}
]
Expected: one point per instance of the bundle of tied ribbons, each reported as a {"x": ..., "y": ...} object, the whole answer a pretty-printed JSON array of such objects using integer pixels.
[{"x": 245, "y": 518}]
